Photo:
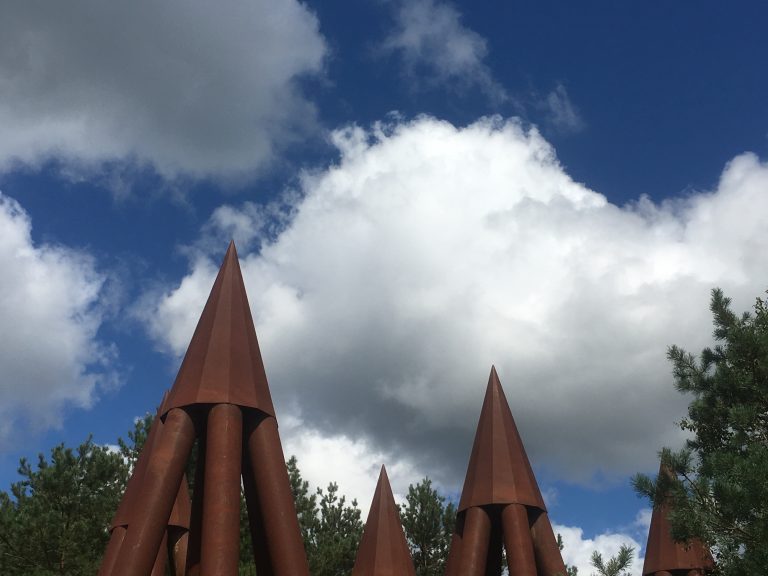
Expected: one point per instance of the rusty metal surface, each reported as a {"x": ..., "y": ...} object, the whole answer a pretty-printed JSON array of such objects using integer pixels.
[
  {"x": 112, "y": 551},
  {"x": 664, "y": 554},
  {"x": 182, "y": 507},
  {"x": 220, "y": 550},
  {"x": 273, "y": 490},
  {"x": 383, "y": 549},
  {"x": 475, "y": 542},
  {"x": 223, "y": 363},
  {"x": 162, "y": 558},
  {"x": 158, "y": 494},
  {"x": 517, "y": 540},
  {"x": 545, "y": 548},
  {"x": 498, "y": 471}
]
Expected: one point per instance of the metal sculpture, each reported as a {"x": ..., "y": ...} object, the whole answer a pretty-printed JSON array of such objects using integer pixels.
[
  {"x": 664, "y": 556},
  {"x": 220, "y": 398},
  {"x": 383, "y": 549},
  {"x": 501, "y": 504}
]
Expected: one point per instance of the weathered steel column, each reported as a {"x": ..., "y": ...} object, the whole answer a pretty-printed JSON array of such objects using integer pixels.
[
  {"x": 221, "y": 504},
  {"x": 475, "y": 541},
  {"x": 153, "y": 505},
  {"x": 517, "y": 541},
  {"x": 545, "y": 548},
  {"x": 267, "y": 464},
  {"x": 113, "y": 550},
  {"x": 162, "y": 558},
  {"x": 454, "y": 553},
  {"x": 261, "y": 557}
]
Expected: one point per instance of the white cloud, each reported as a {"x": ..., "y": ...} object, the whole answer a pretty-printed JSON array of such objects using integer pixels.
[
  {"x": 562, "y": 114},
  {"x": 187, "y": 87},
  {"x": 577, "y": 550},
  {"x": 437, "y": 48},
  {"x": 430, "y": 252},
  {"x": 50, "y": 357}
]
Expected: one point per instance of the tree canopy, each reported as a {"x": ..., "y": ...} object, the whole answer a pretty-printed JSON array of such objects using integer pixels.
[{"x": 719, "y": 490}]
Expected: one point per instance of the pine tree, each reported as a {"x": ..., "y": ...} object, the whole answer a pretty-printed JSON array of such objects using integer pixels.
[{"x": 721, "y": 492}]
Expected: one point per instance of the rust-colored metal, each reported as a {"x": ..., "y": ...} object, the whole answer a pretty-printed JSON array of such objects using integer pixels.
[
  {"x": 273, "y": 490},
  {"x": 517, "y": 540},
  {"x": 498, "y": 471},
  {"x": 261, "y": 557},
  {"x": 162, "y": 558},
  {"x": 223, "y": 363},
  {"x": 113, "y": 549},
  {"x": 383, "y": 549},
  {"x": 501, "y": 501},
  {"x": 178, "y": 542},
  {"x": 220, "y": 553},
  {"x": 663, "y": 554},
  {"x": 475, "y": 542},
  {"x": 545, "y": 548},
  {"x": 160, "y": 487}
]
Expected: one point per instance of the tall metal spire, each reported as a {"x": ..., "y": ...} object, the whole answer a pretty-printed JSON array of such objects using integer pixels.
[
  {"x": 664, "y": 556},
  {"x": 383, "y": 549},
  {"x": 501, "y": 504},
  {"x": 220, "y": 400}
]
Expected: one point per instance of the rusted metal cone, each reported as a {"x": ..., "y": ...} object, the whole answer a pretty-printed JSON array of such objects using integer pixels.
[
  {"x": 220, "y": 398},
  {"x": 501, "y": 501},
  {"x": 663, "y": 555},
  {"x": 383, "y": 549}
]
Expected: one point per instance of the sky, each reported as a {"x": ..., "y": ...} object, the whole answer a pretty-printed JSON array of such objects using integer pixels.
[{"x": 418, "y": 190}]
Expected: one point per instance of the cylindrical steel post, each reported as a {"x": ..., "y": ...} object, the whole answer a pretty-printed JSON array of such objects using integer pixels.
[
  {"x": 454, "y": 554},
  {"x": 517, "y": 540},
  {"x": 662, "y": 573},
  {"x": 545, "y": 549},
  {"x": 112, "y": 551},
  {"x": 220, "y": 551},
  {"x": 475, "y": 541},
  {"x": 153, "y": 506},
  {"x": 162, "y": 558},
  {"x": 256, "y": 522},
  {"x": 281, "y": 525}
]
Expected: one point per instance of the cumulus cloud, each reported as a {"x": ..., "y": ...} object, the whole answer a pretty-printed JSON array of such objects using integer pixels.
[
  {"x": 185, "y": 87},
  {"x": 437, "y": 48},
  {"x": 430, "y": 252},
  {"x": 577, "y": 550},
  {"x": 50, "y": 356}
]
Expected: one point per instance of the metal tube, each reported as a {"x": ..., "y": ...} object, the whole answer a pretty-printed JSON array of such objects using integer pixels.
[
  {"x": 196, "y": 516},
  {"x": 256, "y": 522},
  {"x": 113, "y": 549},
  {"x": 475, "y": 541},
  {"x": 517, "y": 540},
  {"x": 545, "y": 549},
  {"x": 281, "y": 525},
  {"x": 220, "y": 551},
  {"x": 162, "y": 558},
  {"x": 178, "y": 542},
  {"x": 153, "y": 506},
  {"x": 454, "y": 553}
]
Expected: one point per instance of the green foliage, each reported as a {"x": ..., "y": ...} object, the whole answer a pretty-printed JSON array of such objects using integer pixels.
[
  {"x": 56, "y": 518},
  {"x": 428, "y": 524},
  {"x": 335, "y": 535},
  {"x": 617, "y": 565},
  {"x": 569, "y": 570},
  {"x": 720, "y": 492}
]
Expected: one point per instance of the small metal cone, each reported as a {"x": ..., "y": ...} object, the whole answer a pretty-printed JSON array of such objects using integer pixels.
[
  {"x": 499, "y": 474},
  {"x": 498, "y": 470},
  {"x": 223, "y": 364},
  {"x": 383, "y": 549},
  {"x": 662, "y": 553}
]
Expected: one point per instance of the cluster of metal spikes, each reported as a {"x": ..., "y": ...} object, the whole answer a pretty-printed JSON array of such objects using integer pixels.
[{"x": 221, "y": 403}]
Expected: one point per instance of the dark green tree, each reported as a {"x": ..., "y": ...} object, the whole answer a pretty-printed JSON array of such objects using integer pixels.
[
  {"x": 720, "y": 492},
  {"x": 335, "y": 536},
  {"x": 56, "y": 518},
  {"x": 615, "y": 566},
  {"x": 428, "y": 524}
]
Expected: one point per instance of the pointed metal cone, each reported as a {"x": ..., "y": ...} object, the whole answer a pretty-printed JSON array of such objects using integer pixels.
[
  {"x": 223, "y": 363},
  {"x": 662, "y": 553},
  {"x": 383, "y": 549},
  {"x": 498, "y": 471}
]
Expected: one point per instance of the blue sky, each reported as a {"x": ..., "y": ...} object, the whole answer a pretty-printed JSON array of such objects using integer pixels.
[{"x": 418, "y": 189}]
